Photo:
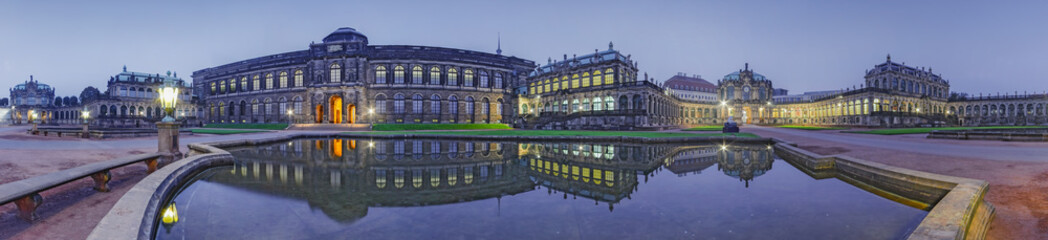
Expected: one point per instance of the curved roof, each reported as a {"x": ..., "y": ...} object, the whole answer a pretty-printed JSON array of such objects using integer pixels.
[
  {"x": 345, "y": 34},
  {"x": 38, "y": 86},
  {"x": 735, "y": 76},
  {"x": 679, "y": 82}
]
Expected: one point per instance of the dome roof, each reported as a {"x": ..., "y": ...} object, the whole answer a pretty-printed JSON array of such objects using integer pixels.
[
  {"x": 735, "y": 76},
  {"x": 346, "y": 34}
]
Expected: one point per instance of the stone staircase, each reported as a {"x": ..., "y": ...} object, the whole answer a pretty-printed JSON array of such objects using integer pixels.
[{"x": 330, "y": 127}]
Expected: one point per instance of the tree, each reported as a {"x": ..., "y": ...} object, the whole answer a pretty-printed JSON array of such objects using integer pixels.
[
  {"x": 90, "y": 94},
  {"x": 3, "y": 102},
  {"x": 72, "y": 101},
  {"x": 57, "y": 102}
]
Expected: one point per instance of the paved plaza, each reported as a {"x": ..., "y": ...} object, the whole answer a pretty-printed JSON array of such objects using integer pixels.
[{"x": 1013, "y": 169}]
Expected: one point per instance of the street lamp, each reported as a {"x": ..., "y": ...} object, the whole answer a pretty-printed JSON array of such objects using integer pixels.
[
  {"x": 289, "y": 116},
  {"x": 371, "y": 122},
  {"x": 32, "y": 119},
  {"x": 167, "y": 128},
  {"x": 85, "y": 114}
]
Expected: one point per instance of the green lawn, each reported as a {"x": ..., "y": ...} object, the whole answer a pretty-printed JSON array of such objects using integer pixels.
[
  {"x": 897, "y": 131},
  {"x": 224, "y": 131},
  {"x": 567, "y": 133},
  {"x": 264, "y": 126},
  {"x": 704, "y": 128},
  {"x": 802, "y": 127},
  {"x": 438, "y": 126}
]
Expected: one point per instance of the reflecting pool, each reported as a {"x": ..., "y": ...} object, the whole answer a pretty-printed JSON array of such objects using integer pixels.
[{"x": 435, "y": 189}]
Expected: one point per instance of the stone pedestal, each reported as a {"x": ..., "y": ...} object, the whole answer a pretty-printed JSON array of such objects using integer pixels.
[
  {"x": 167, "y": 142},
  {"x": 34, "y": 131},
  {"x": 84, "y": 133}
]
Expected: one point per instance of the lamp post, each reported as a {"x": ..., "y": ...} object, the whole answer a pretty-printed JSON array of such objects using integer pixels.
[
  {"x": 167, "y": 128},
  {"x": 371, "y": 122},
  {"x": 85, "y": 114},
  {"x": 289, "y": 117},
  {"x": 32, "y": 120}
]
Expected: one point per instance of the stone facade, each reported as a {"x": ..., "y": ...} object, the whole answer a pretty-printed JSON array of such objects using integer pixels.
[{"x": 345, "y": 80}]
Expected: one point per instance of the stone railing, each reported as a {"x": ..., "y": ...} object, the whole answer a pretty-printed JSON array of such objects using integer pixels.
[
  {"x": 956, "y": 206},
  {"x": 1017, "y": 134}
]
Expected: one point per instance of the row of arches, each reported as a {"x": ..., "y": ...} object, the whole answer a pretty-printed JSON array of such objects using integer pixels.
[
  {"x": 264, "y": 110},
  {"x": 435, "y": 108},
  {"x": 256, "y": 83},
  {"x": 1000, "y": 110}
]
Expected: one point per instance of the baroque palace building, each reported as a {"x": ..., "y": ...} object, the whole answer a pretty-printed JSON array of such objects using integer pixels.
[{"x": 345, "y": 80}]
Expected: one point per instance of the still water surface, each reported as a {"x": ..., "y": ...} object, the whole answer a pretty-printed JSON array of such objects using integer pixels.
[{"x": 428, "y": 189}]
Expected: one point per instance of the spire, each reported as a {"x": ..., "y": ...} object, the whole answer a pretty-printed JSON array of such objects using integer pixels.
[
  {"x": 499, "y": 50},
  {"x": 747, "y": 67},
  {"x": 611, "y": 46},
  {"x": 125, "y": 68},
  {"x": 889, "y": 57}
]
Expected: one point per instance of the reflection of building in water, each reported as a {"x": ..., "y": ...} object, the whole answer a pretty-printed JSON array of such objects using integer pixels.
[
  {"x": 693, "y": 160},
  {"x": 602, "y": 172},
  {"x": 345, "y": 177},
  {"x": 745, "y": 162}
]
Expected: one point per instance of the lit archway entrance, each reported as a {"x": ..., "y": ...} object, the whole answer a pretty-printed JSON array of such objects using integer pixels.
[
  {"x": 320, "y": 113},
  {"x": 351, "y": 110},
  {"x": 336, "y": 109}
]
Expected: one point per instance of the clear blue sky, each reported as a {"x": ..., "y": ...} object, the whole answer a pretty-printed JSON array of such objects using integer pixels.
[{"x": 984, "y": 46}]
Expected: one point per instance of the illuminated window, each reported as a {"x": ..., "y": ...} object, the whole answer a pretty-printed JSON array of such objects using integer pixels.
[
  {"x": 598, "y": 104},
  {"x": 609, "y": 103},
  {"x": 283, "y": 79},
  {"x": 243, "y": 84},
  {"x": 298, "y": 78},
  {"x": 255, "y": 84},
  {"x": 452, "y": 77},
  {"x": 555, "y": 84},
  {"x": 609, "y": 76},
  {"x": 380, "y": 75},
  {"x": 483, "y": 79},
  {"x": 469, "y": 105},
  {"x": 232, "y": 85},
  {"x": 468, "y": 81},
  {"x": 213, "y": 90},
  {"x": 336, "y": 73},
  {"x": 434, "y": 75},
  {"x": 575, "y": 81},
  {"x": 564, "y": 82},
  {"x": 398, "y": 74},
  {"x": 585, "y": 79},
  {"x": 380, "y": 104},
  {"x": 269, "y": 81},
  {"x": 416, "y": 75},
  {"x": 221, "y": 86},
  {"x": 597, "y": 80},
  {"x": 545, "y": 87}
]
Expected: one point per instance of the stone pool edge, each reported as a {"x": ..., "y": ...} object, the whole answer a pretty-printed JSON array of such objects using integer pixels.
[{"x": 960, "y": 210}]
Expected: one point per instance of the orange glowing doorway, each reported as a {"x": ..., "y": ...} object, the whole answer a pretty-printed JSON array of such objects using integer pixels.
[{"x": 336, "y": 109}]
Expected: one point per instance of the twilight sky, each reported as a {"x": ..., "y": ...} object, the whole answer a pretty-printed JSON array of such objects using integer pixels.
[{"x": 802, "y": 46}]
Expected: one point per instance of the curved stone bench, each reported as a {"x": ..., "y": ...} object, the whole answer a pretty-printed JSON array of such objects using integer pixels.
[{"x": 26, "y": 193}]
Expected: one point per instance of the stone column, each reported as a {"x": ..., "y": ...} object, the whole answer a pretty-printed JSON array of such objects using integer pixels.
[
  {"x": 84, "y": 133},
  {"x": 167, "y": 142}
]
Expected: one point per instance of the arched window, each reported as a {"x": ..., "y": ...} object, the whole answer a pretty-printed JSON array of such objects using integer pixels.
[
  {"x": 298, "y": 78},
  {"x": 416, "y": 75},
  {"x": 336, "y": 72},
  {"x": 416, "y": 104},
  {"x": 468, "y": 80},
  {"x": 585, "y": 79},
  {"x": 283, "y": 79},
  {"x": 564, "y": 82},
  {"x": 380, "y": 104},
  {"x": 452, "y": 77},
  {"x": 213, "y": 90},
  {"x": 398, "y": 103},
  {"x": 564, "y": 106},
  {"x": 498, "y": 80},
  {"x": 597, "y": 79},
  {"x": 298, "y": 105},
  {"x": 453, "y": 105},
  {"x": 434, "y": 104},
  {"x": 469, "y": 105},
  {"x": 102, "y": 110},
  {"x": 483, "y": 79},
  {"x": 574, "y": 81},
  {"x": 598, "y": 104},
  {"x": 545, "y": 86},
  {"x": 232, "y": 86},
  {"x": 398, "y": 74},
  {"x": 609, "y": 76},
  {"x": 585, "y": 104},
  {"x": 380, "y": 75},
  {"x": 255, "y": 84},
  {"x": 434, "y": 75},
  {"x": 485, "y": 107},
  {"x": 221, "y": 88},
  {"x": 243, "y": 84},
  {"x": 609, "y": 103}
]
